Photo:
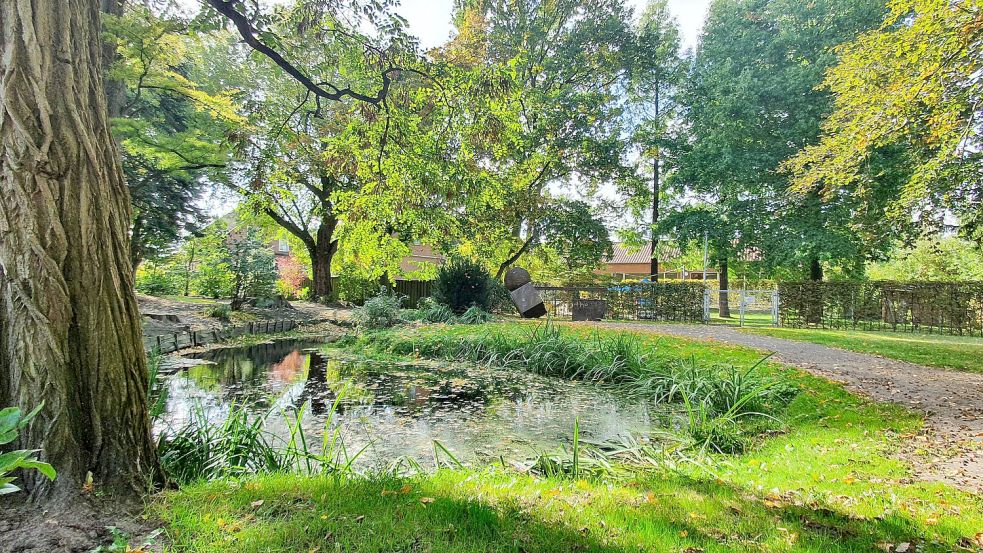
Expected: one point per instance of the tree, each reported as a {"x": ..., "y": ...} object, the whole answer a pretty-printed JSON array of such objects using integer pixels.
[
  {"x": 916, "y": 84},
  {"x": 252, "y": 265},
  {"x": 69, "y": 325},
  {"x": 656, "y": 72},
  {"x": 174, "y": 133},
  {"x": 542, "y": 82},
  {"x": 751, "y": 103}
]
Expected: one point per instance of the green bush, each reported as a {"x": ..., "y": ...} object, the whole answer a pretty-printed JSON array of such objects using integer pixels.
[
  {"x": 155, "y": 280},
  {"x": 220, "y": 312},
  {"x": 463, "y": 283},
  {"x": 11, "y": 421},
  {"x": 382, "y": 311},
  {"x": 356, "y": 289}
]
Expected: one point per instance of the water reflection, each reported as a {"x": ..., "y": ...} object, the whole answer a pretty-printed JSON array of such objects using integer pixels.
[{"x": 398, "y": 410}]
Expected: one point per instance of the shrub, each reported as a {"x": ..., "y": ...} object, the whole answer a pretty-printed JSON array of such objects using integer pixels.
[
  {"x": 354, "y": 288},
  {"x": 500, "y": 301},
  {"x": 462, "y": 283},
  {"x": 382, "y": 311},
  {"x": 155, "y": 280},
  {"x": 220, "y": 312},
  {"x": 11, "y": 421}
]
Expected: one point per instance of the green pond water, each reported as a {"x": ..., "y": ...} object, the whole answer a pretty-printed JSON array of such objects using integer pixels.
[{"x": 396, "y": 410}]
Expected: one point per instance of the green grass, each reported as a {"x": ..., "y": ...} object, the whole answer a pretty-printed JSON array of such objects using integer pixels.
[
  {"x": 825, "y": 483},
  {"x": 947, "y": 352}
]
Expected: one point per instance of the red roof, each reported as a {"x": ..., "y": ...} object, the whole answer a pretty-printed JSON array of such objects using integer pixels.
[{"x": 626, "y": 255}]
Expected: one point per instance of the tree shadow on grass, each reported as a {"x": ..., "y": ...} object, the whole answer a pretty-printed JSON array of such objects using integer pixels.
[{"x": 283, "y": 513}]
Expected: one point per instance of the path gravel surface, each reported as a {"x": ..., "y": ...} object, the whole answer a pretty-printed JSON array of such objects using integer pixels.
[{"x": 951, "y": 446}]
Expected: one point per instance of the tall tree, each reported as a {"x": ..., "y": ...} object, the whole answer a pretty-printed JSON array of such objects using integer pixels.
[
  {"x": 543, "y": 112},
  {"x": 656, "y": 72},
  {"x": 69, "y": 326},
  {"x": 915, "y": 84},
  {"x": 752, "y": 102},
  {"x": 174, "y": 133}
]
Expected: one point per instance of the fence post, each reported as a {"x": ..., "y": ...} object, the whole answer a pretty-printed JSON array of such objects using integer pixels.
[
  {"x": 775, "y": 299},
  {"x": 706, "y": 305},
  {"x": 742, "y": 306}
]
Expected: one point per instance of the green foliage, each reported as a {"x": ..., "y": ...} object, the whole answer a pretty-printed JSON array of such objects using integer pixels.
[
  {"x": 939, "y": 259},
  {"x": 11, "y": 421},
  {"x": 220, "y": 312},
  {"x": 914, "y": 83},
  {"x": 752, "y": 100},
  {"x": 252, "y": 265},
  {"x": 380, "y": 311},
  {"x": 157, "y": 280},
  {"x": 173, "y": 131},
  {"x": 157, "y": 390},
  {"x": 462, "y": 283}
]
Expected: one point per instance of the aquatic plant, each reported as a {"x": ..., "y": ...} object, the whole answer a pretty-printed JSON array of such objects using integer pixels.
[{"x": 241, "y": 445}]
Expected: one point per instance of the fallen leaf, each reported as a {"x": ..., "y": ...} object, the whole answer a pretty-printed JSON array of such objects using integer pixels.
[
  {"x": 426, "y": 500},
  {"x": 979, "y": 539},
  {"x": 257, "y": 503},
  {"x": 902, "y": 547},
  {"x": 683, "y": 533},
  {"x": 359, "y": 519}
]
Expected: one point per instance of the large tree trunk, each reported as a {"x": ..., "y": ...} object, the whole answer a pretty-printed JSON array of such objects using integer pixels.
[
  {"x": 322, "y": 252},
  {"x": 724, "y": 303},
  {"x": 69, "y": 326},
  {"x": 656, "y": 190}
]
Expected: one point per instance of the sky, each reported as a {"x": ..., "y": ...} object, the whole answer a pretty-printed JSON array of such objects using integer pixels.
[{"x": 430, "y": 20}]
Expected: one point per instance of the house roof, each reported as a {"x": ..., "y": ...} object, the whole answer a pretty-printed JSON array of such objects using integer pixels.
[{"x": 623, "y": 254}]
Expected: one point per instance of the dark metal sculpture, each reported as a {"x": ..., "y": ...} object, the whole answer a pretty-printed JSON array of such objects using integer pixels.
[{"x": 524, "y": 295}]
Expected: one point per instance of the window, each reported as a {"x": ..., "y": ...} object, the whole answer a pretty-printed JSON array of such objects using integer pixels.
[{"x": 282, "y": 246}]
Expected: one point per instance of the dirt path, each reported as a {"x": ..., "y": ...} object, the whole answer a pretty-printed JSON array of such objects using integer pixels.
[{"x": 951, "y": 401}]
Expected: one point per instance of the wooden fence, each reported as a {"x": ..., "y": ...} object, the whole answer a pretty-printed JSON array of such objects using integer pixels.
[
  {"x": 414, "y": 290},
  {"x": 168, "y": 343}
]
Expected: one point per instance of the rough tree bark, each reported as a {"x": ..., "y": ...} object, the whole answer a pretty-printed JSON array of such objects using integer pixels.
[{"x": 69, "y": 326}]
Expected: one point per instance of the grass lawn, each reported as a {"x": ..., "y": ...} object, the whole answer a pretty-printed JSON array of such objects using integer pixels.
[
  {"x": 948, "y": 352},
  {"x": 824, "y": 482}
]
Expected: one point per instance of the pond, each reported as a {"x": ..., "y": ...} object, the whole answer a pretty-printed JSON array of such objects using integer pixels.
[{"x": 395, "y": 410}]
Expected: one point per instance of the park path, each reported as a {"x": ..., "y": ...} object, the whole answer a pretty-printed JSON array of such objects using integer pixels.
[{"x": 951, "y": 446}]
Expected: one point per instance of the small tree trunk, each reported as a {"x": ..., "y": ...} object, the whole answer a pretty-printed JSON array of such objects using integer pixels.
[
  {"x": 69, "y": 325},
  {"x": 656, "y": 191},
  {"x": 815, "y": 270},
  {"x": 724, "y": 305}
]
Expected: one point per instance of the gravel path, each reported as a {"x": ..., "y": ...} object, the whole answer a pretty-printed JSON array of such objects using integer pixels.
[{"x": 951, "y": 401}]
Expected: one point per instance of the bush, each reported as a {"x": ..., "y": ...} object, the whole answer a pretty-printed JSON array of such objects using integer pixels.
[
  {"x": 356, "y": 289},
  {"x": 382, "y": 311},
  {"x": 220, "y": 312},
  {"x": 462, "y": 283},
  {"x": 154, "y": 280},
  {"x": 500, "y": 301}
]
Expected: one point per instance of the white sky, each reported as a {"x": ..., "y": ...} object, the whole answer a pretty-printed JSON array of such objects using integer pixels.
[{"x": 430, "y": 20}]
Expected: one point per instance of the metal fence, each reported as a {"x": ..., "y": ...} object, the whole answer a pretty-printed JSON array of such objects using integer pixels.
[
  {"x": 741, "y": 307},
  {"x": 935, "y": 307},
  {"x": 676, "y": 302}
]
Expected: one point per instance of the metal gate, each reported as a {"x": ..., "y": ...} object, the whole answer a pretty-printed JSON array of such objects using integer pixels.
[{"x": 741, "y": 307}]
